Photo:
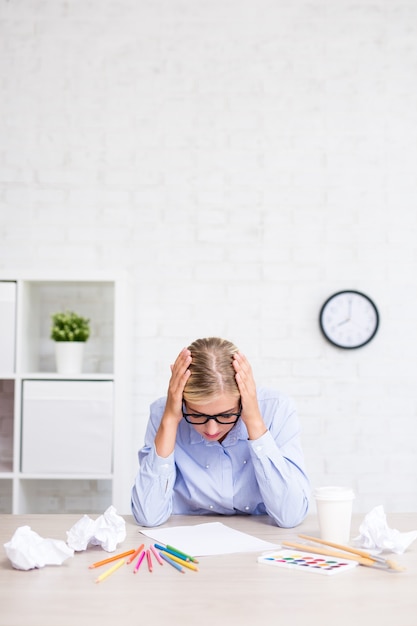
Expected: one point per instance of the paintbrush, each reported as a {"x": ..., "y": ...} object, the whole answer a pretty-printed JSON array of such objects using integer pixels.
[
  {"x": 388, "y": 563},
  {"x": 336, "y": 553}
]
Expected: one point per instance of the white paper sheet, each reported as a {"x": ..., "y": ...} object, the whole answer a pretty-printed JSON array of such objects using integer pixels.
[{"x": 208, "y": 539}]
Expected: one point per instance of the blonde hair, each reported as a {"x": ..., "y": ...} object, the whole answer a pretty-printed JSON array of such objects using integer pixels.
[{"x": 212, "y": 371}]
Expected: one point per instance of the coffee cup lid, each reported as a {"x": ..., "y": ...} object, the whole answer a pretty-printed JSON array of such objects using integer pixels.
[{"x": 334, "y": 493}]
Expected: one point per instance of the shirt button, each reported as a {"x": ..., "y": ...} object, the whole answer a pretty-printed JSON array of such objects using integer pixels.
[
  {"x": 246, "y": 508},
  {"x": 244, "y": 462},
  {"x": 211, "y": 506},
  {"x": 207, "y": 466}
]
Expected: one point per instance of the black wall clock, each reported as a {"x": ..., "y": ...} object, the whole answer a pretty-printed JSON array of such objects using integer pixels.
[{"x": 349, "y": 319}]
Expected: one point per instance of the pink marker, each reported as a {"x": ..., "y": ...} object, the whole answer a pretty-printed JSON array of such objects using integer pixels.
[
  {"x": 149, "y": 558},
  {"x": 158, "y": 558},
  {"x": 140, "y": 559}
]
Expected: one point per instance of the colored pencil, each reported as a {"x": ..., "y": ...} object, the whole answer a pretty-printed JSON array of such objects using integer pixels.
[
  {"x": 171, "y": 562},
  {"x": 140, "y": 559},
  {"x": 116, "y": 557},
  {"x": 149, "y": 559},
  {"x": 160, "y": 547},
  {"x": 186, "y": 557},
  {"x": 182, "y": 562},
  {"x": 175, "y": 552},
  {"x": 110, "y": 571},
  {"x": 135, "y": 554},
  {"x": 156, "y": 555}
]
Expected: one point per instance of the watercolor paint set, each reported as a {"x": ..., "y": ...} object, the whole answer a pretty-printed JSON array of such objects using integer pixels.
[{"x": 316, "y": 564}]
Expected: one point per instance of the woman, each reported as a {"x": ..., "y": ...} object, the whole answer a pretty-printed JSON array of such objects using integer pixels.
[{"x": 218, "y": 445}]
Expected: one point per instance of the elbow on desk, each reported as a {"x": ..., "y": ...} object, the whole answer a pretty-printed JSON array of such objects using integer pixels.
[
  {"x": 149, "y": 522},
  {"x": 142, "y": 519},
  {"x": 290, "y": 518}
]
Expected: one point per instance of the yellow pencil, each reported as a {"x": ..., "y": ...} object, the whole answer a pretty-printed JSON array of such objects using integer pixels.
[
  {"x": 181, "y": 561},
  {"x": 110, "y": 571}
]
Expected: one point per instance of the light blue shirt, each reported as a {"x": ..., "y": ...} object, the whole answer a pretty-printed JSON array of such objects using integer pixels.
[{"x": 237, "y": 476}]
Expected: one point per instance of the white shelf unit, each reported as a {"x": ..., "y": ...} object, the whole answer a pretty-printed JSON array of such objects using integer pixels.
[{"x": 63, "y": 440}]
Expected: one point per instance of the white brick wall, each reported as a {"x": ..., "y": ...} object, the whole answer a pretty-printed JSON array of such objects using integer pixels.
[{"x": 241, "y": 159}]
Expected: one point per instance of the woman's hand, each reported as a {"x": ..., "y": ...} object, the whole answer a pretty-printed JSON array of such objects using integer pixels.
[
  {"x": 167, "y": 431},
  {"x": 179, "y": 376},
  {"x": 251, "y": 414}
]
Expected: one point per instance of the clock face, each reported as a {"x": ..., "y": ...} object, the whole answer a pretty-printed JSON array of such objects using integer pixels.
[{"x": 349, "y": 319}]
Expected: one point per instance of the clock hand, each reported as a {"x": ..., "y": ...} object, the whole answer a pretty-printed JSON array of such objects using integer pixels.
[{"x": 346, "y": 321}]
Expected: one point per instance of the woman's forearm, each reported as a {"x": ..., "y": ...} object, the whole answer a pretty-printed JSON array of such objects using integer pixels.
[{"x": 165, "y": 436}]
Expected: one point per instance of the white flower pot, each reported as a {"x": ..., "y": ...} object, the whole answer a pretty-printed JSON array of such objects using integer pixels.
[{"x": 69, "y": 356}]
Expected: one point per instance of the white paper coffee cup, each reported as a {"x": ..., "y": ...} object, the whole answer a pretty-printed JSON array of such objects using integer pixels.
[{"x": 334, "y": 512}]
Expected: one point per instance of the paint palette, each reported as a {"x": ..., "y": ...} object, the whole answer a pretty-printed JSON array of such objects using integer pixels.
[{"x": 307, "y": 562}]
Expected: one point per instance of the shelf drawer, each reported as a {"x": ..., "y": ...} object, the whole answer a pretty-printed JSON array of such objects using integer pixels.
[{"x": 67, "y": 427}]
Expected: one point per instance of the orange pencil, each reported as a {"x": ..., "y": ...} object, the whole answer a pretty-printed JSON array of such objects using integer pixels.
[
  {"x": 135, "y": 554},
  {"x": 110, "y": 559}
]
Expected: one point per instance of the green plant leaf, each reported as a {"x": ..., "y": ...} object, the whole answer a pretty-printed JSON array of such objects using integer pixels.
[{"x": 69, "y": 326}]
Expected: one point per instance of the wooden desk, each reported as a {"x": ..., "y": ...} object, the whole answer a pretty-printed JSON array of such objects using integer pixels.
[{"x": 228, "y": 590}]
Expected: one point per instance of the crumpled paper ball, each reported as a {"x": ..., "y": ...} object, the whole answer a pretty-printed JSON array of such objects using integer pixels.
[
  {"x": 376, "y": 535},
  {"x": 28, "y": 550},
  {"x": 106, "y": 531}
]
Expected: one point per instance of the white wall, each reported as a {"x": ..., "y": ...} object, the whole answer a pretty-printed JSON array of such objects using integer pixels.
[{"x": 241, "y": 160}]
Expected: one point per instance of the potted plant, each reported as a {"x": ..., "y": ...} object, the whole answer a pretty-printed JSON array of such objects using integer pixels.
[{"x": 70, "y": 331}]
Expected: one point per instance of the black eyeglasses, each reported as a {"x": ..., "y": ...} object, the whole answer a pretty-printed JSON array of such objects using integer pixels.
[{"x": 221, "y": 418}]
